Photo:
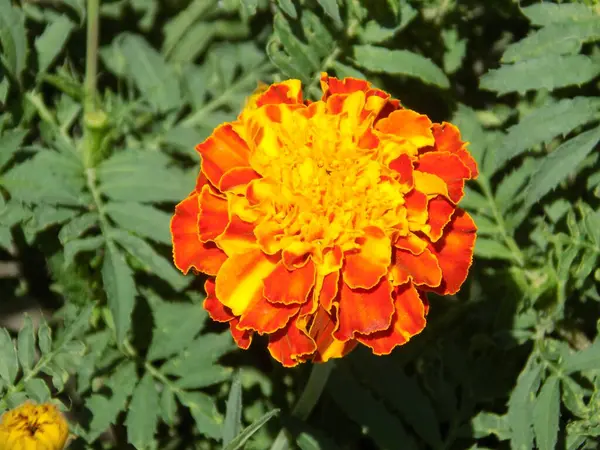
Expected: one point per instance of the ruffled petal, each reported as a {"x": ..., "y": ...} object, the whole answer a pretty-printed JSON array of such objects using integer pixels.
[
  {"x": 321, "y": 330},
  {"x": 454, "y": 252},
  {"x": 366, "y": 267},
  {"x": 286, "y": 92},
  {"x": 447, "y": 139},
  {"x": 449, "y": 168},
  {"x": 329, "y": 290},
  {"x": 213, "y": 215},
  {"x": 289, "y": 344},
  {"x": 243, "y": 338},
  {"x": 412, "y": 243},
  {"x": 240, "y": 281},
  {"x": 263, "y": 316},
  {"x": 237, "y": 238},
  {"x": 290, "y": 286},
  {"x": 364, "y": 311},
  {"x": 421, "y": 269},
  {"x": 404, "y": 167},
  {"x": 188, "y": 251},
  {"x": 409, "y": 125},
  {"x": 332, "y": 85},
  {"x": 237, "y": 177},
  {"x": 222, "y": 151},
  {"x": 439, "y": 213},
  {"x": 216, "y": 310},
  {"x": 407, "y": 321}
]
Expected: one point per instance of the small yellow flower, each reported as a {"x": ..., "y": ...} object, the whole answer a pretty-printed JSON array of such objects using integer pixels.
[{"x": 33, "y": 427}]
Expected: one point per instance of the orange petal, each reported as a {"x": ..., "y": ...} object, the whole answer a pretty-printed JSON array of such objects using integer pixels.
[
  {"x": 188, "y": 251},
  {"x": 238, "y": 176},
  {"x": 447, "y": 139},
  {"x": 201, "y": 180},
  {"x": 449, "y": 168},
  {"x": 364, "y": 311},
  {"x": 263, "y": 316},
  {"x": 238, "y": 237},
  {"x": 296, "y": 255},
  {"x": 416, "y": 209},
  {"x": 268, "y": 235},
  {"x": 403, "y": 165},
  {"x": 440, "y": 212},
  {"x": 365, "y": 268},
  {"x": 321, "y": 330},
  {"x": 240, "y": 281},
  {"x": 412, "y": 243},
  {"x": 331, "y": 85},
  {"x": 213, "y": 217},
  {"x": 421, "y": 269},
  {"x": 329, "y": 290},
  {"x": 216, "y": 310},
  {"x": 290, "y": 344},
  {"x": 243, "y": 338},
  {"x": 290, "y": 286},
  {"x": 408, "y": 320},
  {"x": 222, "y": 151},
  {"x": 409, "y": 125},
  {"x": 288, "y": 92},
  {"x": 454, "y": 252}
]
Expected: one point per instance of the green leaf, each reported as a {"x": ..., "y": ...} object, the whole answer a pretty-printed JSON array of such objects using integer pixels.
[
  {"x": 233, "y": 412},
  {"x": 26, "y": 345},
  {"x": 492, "y": 248},
  {"x": 168, "y": 406},
  {"x": 204, "y": 411},
  {"x": 120, "y": 289},
  {"x": 288, "y": 7},
  {"x": 176, "y": 28},
  {"x": 484, "y": 424},
  {"x": 156, "y": 81},
  {"x": 153, "y": 262},
  {"x": 175, "y": 327},
  {"x": 38, "y": 390},
  {"x": 142, "y": 417},
  {"x": 76, "y": 246},
  {"x": 241, "y": 439},
  {"x": 549, "y": 13},
  {"x": 76, "y": 227},
  {"x": 545, "y": 123},
  {"x": 9, "y": 363},
  {"x": 199, "y": 355},
  {"x": 399, "y": 62},
  {"x": 520, "y": 407},
  {"x": 559, "y": 38},
  {"x": 561, "y": 163},
  {"x": 142, "y": 219},
  {"x": 548, "y": 72},
  {"x": 204, "y": 377},
  {"x": 587, "y": 359},
  {"x": 332, "y": 9},
  {"x": 546, "y": 414},
  {"x": 10, "y": 142},
  {"x": 52, "y": 41},
  {"x": 44, "y": 338},
  {"x": 456, "y": 50},
  {"x": 13, "y": 38}
]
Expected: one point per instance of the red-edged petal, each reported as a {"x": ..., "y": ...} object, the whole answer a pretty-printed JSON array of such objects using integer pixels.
[
  {"x": 222, "y": 151},
  {"x": 216, "y": 310},
  {"x": 213, "y": 217},
  {"x": 412, "y": 243},
  {"x": 290, "y": 286},
  {"x": 364, "y": 311},
  {"x": 408, "y": 320},
  {"x": 288, "y": 92},
  {"x": 421, "y": 269},
  {"x": 329, "y": 290},
  {"x": 332, "y": 85},
  {"x": 238, "y": 176},
  {"x": 454, "y": 252},
  {"x": 289, "y": 344},
  {"x": 321, "y": 330},
  {"x": 449, "y": 168},
  {"x": 416, "y": 209},
  {"x": 239, "y": 283},
  {"x": 238, "y": 237},
  {"x": 447, "y": 139},
  {"x": 296, "y": 254},
  {"x": 409, "y": 125},
  {"x": 243, "y": 338},
  {"x": 403, "y": 166},
  {"x": 366, "y": 267},
  {"x": 440, "y": 212},
  {"x": 263, "y": 316},
  {"x": 188, "y": 251}
]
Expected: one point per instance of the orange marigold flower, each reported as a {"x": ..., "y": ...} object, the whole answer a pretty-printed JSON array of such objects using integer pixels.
[
  {"x": 323, "y": 224},
  {"x": 33, "y": 427}
]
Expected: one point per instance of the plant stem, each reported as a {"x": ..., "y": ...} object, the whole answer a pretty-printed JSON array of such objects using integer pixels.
[
  {"x": 308, "y": 399},
  {"x": 91, "y": 55}
]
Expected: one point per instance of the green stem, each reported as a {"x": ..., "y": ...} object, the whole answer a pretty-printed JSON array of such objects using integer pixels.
[
  {"x": 91, "y": 55},
  {"x": 307, "y": 401}
]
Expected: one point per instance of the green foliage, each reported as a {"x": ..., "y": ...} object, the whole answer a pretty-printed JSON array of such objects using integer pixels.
[{"x": 95, "y": 317}]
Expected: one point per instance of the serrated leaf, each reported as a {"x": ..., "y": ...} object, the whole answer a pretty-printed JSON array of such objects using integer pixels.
[
  {"x": 26, "y": 345},
  {"x": 484, "y": 424},
  {"x": 233, "y": 412},
  {"x": 549, "y": 13},
  {"x": 200, "y": 354},
  {"x": 145, "y": 254},
  {"x": 44, "y": 338},
  {"x": 546, "y": 414},
  {"x": 175, "y": 327},
  {"x": 288, "y": 7},
  {"x": 13, "y": 38},
  {"x": 548, "y": 72},
  {"x": 509, "y": 190},
  {"x": 76, "y": 227},
  {"x": 586, "y": 359},
  {"x": 559, "y": 38},
  {"x": 120, "y": 290},
  {"x": 204, "y": 411},
  {"x": 37, "y": 390},
  {"x": 399, "y": 62},
  {"x": 76, "y": 246},
  {"x": 10, "y": 141},
  {"x": 142, "y": 416},
  {"x": 241, "y": 439},
  {"x": 52, "y": 40},
  {"x": 45, "y": 216},
  {"x": 156, "y": 80},
  {"x": 520, "y": 407},
  {"x": 561, "y": 163},
  {"x": 9, "y": 363},
  {"x": 545, "y": 123},
  {"x": 144, "y": 220}
]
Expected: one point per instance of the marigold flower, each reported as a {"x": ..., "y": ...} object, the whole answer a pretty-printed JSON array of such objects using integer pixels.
[
  {"x": 33, "y": 427},
  {"x": 323, "y": 224}
]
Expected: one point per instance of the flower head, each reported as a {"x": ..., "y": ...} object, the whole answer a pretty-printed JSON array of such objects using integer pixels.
[
  {"x": 33, "y": 427},
  {"x": 323, "y": 224}
]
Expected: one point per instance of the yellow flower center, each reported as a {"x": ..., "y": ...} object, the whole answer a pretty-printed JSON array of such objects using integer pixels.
[{"x": 34, "y": 427}]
